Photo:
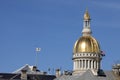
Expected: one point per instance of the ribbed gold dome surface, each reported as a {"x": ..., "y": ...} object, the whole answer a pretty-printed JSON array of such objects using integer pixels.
[{"x": 86, "y": 44}]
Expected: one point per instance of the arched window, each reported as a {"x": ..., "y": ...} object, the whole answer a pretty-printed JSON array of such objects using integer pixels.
[
  {"x": 90, "y": 64},
  {"x": 86, "y": 63},
  {"x": 83, "y": 63},
  {"x": 80, "y": 64}
]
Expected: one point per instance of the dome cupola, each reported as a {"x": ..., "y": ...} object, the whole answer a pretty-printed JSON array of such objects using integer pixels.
[
  {"x": 86, "y": 43},
  {"x": 86, "y": 51}
]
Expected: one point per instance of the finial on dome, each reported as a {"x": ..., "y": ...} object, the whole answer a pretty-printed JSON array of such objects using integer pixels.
[{"x": 86, "y": 15}]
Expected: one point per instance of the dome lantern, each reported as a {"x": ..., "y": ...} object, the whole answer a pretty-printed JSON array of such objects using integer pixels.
[{"x": 86, "y": 27}]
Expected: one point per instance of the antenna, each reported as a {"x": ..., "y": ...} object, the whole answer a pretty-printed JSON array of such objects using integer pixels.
[{"x": 37, "y": 53}]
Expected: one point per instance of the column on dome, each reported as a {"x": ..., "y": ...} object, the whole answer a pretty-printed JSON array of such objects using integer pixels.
[
  {"x": 96, "y": 65},
  {"x": 74, "y": 65},
  {"x": 77, "y": 64},
  {"x": 80, "y": 63},
  {"x": 88, "y": 64},
  {"x": 85, "y": 64},
  {"x": 92, "y": 64}
]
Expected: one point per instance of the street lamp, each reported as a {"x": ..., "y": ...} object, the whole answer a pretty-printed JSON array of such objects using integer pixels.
[{"x": 37, "y": 52}]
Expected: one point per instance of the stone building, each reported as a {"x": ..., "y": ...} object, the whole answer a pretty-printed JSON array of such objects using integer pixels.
[{"x": 87, "y": 57}]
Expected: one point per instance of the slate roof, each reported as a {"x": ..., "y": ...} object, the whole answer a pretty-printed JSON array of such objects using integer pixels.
[
  {"x": 88, "y": 75},
  {"x": 31, "y": 74},
  {"x": 9, "y": 76},
  {"x": 29, "y": 70},
  {"x": 13, "y": 76}
]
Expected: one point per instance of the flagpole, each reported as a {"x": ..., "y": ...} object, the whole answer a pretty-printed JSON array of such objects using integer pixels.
[{"x": 37, "y": 52}]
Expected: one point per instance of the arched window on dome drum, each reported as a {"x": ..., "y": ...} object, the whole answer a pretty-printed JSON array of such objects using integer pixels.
[
  {"x": 77, "y": 63},
  {"x": 86, "y": 63},
  {"x": 93, "y": 64},
  {"x": 90, "y": 64},
  {"x": 83, "y": 63},
  {"x": 96, "y": 64},
  {"x": 80, "y": 64},
  {"x": 85, "y": 23}
]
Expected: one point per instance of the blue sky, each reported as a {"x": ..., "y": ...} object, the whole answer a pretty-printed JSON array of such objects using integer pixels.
[{"x": 54, "y": 26}]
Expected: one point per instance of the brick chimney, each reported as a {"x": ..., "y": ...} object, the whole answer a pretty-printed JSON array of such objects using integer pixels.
[
  {"x": 58, "y": 73},
  {"x": 23, "y": 74}
]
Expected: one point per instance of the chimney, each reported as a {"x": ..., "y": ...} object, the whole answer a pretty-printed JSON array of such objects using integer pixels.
[
  {"x": 34, "y": 68},
  {"x": 116, "y": 69},
  {"x": 23, "y": 74},
  {"x": 58, "y": 73}
]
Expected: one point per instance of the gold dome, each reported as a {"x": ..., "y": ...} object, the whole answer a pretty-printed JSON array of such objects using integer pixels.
[
  {"x": 86, "y": 15},
  {"x": 86, "y": 44}
]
